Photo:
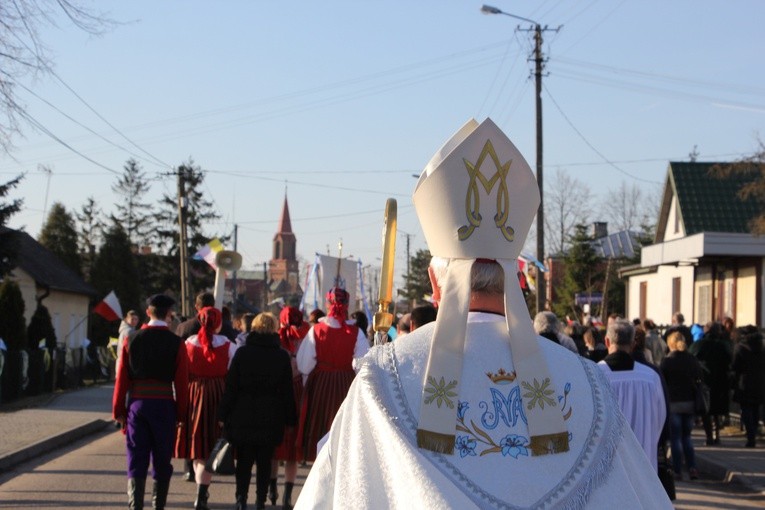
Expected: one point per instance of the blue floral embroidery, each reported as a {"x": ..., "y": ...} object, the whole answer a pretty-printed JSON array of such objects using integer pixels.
[
  {"x": 465, "y": 446},
  {"x": 514, "y": 445},
  {"x": 462, "y": 408}
]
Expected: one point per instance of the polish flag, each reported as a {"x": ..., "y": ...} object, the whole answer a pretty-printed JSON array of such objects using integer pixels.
[{"x": 109, "y": 308}]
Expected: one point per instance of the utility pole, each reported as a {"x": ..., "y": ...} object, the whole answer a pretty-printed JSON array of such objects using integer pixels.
[
  {"x": 539, "y": 61},
  {"x": 233, "y": 278},
  {"x": 183, "y": 244}
]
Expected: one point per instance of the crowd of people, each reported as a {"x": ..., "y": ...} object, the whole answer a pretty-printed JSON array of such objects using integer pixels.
[
  {"x": 271, "y": 386},
  {"x": 484, "y": 408}
]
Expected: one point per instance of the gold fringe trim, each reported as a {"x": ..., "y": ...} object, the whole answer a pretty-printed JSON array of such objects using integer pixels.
[
  {"x": 435, "y": 441},
  {"x": 549, "y": 443}
]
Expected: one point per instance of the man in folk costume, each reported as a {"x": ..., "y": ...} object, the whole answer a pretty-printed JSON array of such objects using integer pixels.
[
  {"x": 292, "y": 330},
  {"x": 153, "y": 370},
  {"x": 475, "y": 410},
  {"x": 327, "y": 356}
]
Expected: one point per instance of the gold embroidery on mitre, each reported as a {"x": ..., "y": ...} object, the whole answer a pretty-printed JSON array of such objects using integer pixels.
[
  {"x": 502, "y": 376},
  {"x": 472, "y": 199}
]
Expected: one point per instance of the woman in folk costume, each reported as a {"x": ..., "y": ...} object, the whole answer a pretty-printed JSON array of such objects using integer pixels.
[
  {"x": 209, "y": 357},
  {"x": 327, "y": 357},
  {"x": 292, "y": 330}
]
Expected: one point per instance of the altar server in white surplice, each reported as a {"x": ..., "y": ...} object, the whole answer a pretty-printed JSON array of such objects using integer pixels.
[
  {"x": 637, "y": 388},
  {"x": 475, "y": 410}
]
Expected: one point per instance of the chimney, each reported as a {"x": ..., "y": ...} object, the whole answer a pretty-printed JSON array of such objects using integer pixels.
[{"x": 599, "y": 229}]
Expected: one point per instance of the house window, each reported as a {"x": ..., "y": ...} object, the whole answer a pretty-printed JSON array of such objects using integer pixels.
[
  {"x": 643, "y": 299},
  {"x": 677, "y": 218},
  {"x": 675, "y": 295},
  {"x": 705, "y": 304}
]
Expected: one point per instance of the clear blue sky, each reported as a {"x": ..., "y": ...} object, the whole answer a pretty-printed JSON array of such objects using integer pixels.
[{"x": 340, "y": 102}]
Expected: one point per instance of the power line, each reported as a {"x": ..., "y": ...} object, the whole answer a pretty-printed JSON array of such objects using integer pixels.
[{"x": 595, "y": 150}]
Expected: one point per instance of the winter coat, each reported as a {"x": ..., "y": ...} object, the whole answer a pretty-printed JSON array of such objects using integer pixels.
[
  {"x": 749, "y": 368},
  {"x": 258, "y": 402},
  {"x": 714, "y": 353},
  {"x": 681, "y": 371}
]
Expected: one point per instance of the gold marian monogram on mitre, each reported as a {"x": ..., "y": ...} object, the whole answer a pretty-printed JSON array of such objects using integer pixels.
[{"x": 472, "y": 199}]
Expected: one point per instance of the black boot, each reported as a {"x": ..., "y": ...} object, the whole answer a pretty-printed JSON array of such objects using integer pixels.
[
  {"x": 273, "y": 494},
  {"x": 202, "y": 495},
  {"x": 287, "y": 501},
  {"x": 135, "y": 490},
  {"x": 260, "y": 504},
  {"x": 241, "y": 502},
  {"x": 188, "y": 470},
  {"x": 159, "y": 494}
]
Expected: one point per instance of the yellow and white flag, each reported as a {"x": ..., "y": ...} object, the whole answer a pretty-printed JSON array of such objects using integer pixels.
[{"x": 208, "y": 252}]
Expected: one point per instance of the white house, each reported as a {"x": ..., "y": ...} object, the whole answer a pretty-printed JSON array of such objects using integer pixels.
[{"x": 704, "y": 262}]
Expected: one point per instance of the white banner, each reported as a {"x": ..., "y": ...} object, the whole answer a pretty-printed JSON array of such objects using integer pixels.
[{"x": 324, "y": 275}]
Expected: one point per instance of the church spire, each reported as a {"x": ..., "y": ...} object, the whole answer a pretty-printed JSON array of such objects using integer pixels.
[{"x": 285, "y": 225}]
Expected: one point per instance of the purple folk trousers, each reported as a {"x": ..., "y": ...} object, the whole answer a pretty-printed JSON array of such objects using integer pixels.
[{"x": 150, "y": 437}]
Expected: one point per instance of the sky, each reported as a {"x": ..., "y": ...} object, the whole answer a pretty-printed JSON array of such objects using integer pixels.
[{"x": 340, "y": 104}]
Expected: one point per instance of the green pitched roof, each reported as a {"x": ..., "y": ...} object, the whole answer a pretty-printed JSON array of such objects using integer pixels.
[{"x": 708, "y": 203}]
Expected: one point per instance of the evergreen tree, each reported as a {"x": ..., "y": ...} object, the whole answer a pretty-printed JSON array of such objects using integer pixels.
[
  {"x": 8, "y": 242},
  {"x": 59, "y": 235},
  {"x": 417, "y": 282},
  {"x": 581, "y": 273},
  {"x": 133, "y": 213},
  {"x": 12, "y": 327},
  {"x": 199, "y": 210},
  {"x": 115, "y": 268},
  {"x": 89, "y": 233},
  {"x": 40, "y": 328},
  {"x": 14, "y": 332}
]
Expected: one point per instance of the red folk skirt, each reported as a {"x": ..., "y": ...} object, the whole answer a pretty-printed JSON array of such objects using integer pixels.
[
  {"x": 324, "y": 393},
  {"x": 290, "y": 450},
  {"x": 195, "y": 440}
]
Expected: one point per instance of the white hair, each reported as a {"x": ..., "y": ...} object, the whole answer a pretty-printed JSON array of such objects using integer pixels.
[{"x": 484, "y": 277}]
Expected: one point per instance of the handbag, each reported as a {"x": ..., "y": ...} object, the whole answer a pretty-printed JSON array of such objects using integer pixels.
[
  {"x": 666, "y": 475},
  {"x": 221, "y": 459},
  {"x": 701, "y": 398}
]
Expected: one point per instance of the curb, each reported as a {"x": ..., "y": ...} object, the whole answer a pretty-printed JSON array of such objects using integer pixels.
[
  {"x": 726, "y": 475},
  {"x": 13, "y": 459}
]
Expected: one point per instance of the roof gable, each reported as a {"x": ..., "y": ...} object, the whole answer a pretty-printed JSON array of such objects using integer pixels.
[
  {"x": 45, "y": 267},
  {"x": 705, "y": 203}
]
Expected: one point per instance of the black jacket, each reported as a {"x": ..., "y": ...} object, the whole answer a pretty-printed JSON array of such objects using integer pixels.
[
  {"x": 749, "y": 367},
  {"x": 258, "y": 402},
  {"x": 681, "y": 371}
]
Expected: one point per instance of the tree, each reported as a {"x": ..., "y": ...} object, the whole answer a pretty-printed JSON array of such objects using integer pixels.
[
  {"x": 417, "y": 282},
  {"x": 59, "y": 235},
  {"x": 133, "y": 214},
  {"x": 89, "y": 233},
  {"x": 115, "y": 269},
  {"x": 752, "y": 167},
  {"x": 13, "y": 331},
  {"x": 40, "y": 328},
  {"x": 23, "y": 53},
  {"x": 631, "y": 207},
  {"x": 581, "y": 273},
  {"x": 199, "y": 210},
  {"x": 568, "y": 201},
  {"x": 8, "y": 241}
]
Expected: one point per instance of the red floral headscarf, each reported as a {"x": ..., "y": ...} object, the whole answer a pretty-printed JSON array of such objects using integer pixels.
[
  {"x": 338, "y": 303},
  {"x": 210, "y": 319}
]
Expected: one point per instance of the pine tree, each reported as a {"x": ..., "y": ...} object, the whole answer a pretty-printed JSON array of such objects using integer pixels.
[
  {"x": 199, "y": 211},
  {"x": 14, "y": 332},
  {"x": 115, "y": 268},
  {"x": 89, "y": 233},
  {"x": 581, "y": 273},
  {"x": 417, "y": 282},
  {"x": 40, "y": 328},
  {"x": 133, "y": 213},
  {"x": 59, "y": 235},
  {"x": 8, "y": 241}
]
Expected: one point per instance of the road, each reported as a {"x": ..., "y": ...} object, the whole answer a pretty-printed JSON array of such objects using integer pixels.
[{"x": 91, "y": 474}]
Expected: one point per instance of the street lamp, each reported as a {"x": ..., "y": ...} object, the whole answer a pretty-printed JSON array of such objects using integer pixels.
[{"x": 539, "y": 60}]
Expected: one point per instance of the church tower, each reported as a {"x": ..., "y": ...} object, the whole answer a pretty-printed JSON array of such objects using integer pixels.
[{"x": 283, "y": 266}]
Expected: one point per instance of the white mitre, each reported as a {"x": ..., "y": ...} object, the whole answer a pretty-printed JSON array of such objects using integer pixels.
[{"x": 477, "y": 198}]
